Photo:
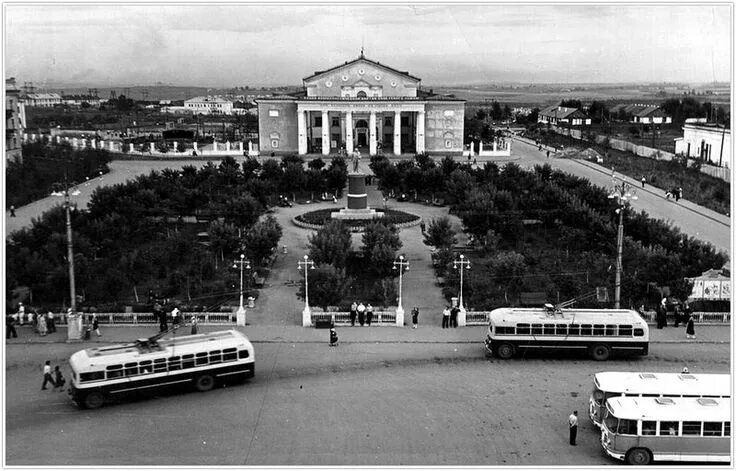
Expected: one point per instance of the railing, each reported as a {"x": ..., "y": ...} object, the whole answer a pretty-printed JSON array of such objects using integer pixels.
[
  {"x": 140, "y": 318},
  {"x": 699, "y": 317},
  {"x": 343, "y": 318}
]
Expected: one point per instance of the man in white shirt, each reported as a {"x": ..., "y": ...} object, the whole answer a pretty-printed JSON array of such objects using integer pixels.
[
  {"x": 47, "y": 375},
  {"x": 361, "y": 314},
  {"x": 175, "y": 316},
  {"x": 573, "y": 421}
]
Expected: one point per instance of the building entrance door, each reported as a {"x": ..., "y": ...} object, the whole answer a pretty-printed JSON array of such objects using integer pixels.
[{"x": 361, "y": 132}]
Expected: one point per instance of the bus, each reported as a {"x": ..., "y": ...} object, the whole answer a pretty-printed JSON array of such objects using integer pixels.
[
  {"x": 598, "y": 332},
  {"x": 610, "y": 384},
  {"x": 640, "y": 430},
  {"x": 200, "y": 361}
]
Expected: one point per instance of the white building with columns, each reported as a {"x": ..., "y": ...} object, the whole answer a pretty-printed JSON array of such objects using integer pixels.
[{"x": 361, "y": 105}]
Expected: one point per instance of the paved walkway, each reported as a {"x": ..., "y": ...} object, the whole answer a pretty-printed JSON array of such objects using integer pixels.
[{"x": 426, "y": 332}]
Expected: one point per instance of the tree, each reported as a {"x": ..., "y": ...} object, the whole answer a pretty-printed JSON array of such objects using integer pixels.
[
  {"x": 597, "y": 111},
  {"x": 260, "y": 240},
  {"x": 572, "y": 103},
  {"x": 328, "y": 286},
  {"x": 440, "y": 233},
  {"x": 223, "y": 238},
  {"x": 337, "y": 175},
  {"x": 242, "y": 210},
  {"x": 331, "y": 244},
  {"x": 385, "y": 291},
  {"x": 380, "y": 244},
  {"x": 316, "y": 164}
]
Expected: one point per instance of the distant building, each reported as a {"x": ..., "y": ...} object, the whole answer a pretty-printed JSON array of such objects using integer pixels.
[
  {"x": 641, "y": 113},
  {"x": 563, "y": 115},
  {"x": 80, "y": 100},
  {"x": 15, "y": 121},
  {"x": 42, "y": 100},
  {"x": 708, "y": 142},
  {"x": 361, "y": 105},
  {"x": 209, "y": 105}
]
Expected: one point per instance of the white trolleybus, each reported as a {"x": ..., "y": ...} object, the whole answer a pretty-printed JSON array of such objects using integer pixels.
[
  {"x": 640, "y": 430},
  {"x": 199, "y": 361},
  {"x": 598, "y": 332},
  {"x": 610, "y": 384}
]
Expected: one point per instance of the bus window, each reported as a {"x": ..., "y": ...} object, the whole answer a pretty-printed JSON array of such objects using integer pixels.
[
  {"x": 504, "y": 330},
  {"x": 638, "y": 332},
  {"x": 598, "y": 329},
  {"x": 114, "y": 371},
  {"x": 549, "y": 329},
  {"x": 174, "y": 363},
  {"x": 159, "y": 365},
  {"x": 536, "y": 329},
  {"x": 691, "y": 428},
  {"x": 145, "y": 366},
  {"x": 215, "y": 356},
  {"x": 669, "y": 428},
  {"x": 586, "y": 329},
  {"x": 187, "y": 361},
  {"x": 91, "y": 376},
  {"x": 561, "y": 329},
  {"x": 610, "y": 330},
  {"x": 201, "y": 358},
  {"x": 727, "y": 429},
  {"x": 625, "y": 330},
  {"x": 131, "y": 369},
  {"x": 648, "y": 427},
  {"x": 627, "y": 427},
  {"x": 523, "y": 329},
  {"x": 229, "y": 354},
  {"x": 574, "y": 329},
  {"x": 712, "y": 429}
]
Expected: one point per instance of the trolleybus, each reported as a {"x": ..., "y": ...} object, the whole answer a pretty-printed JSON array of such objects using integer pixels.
[
  {"x": 598, "y": 332},
  {"x": 640, "y": 430},
  {"x": 199, "y": 361},
  {"x": 610, "y": 384}
]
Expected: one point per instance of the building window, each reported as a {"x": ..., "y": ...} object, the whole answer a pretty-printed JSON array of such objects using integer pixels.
[
  {"x": 405, "y": 121},
  {"x": 335, "y": 122},
  {"x": 275, "y": 143},
  {"x": 388, "y": 121},
  {"x": 361, "y": 94},
  {"x": 449, "y": 113},
  {"x": 273, "y": 113},
  {"x": 318, "y": 121}
]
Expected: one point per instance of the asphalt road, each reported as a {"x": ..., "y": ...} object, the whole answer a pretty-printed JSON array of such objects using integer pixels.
[{"x": 361, "y": 403}]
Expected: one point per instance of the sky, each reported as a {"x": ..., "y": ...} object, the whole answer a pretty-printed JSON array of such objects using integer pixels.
[{"x": 230, "y": 45}]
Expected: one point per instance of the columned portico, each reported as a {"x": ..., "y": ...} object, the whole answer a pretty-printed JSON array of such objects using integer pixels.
[
  {"x": 325, "y": 133},
  {"x": 302, "y": 130},
  {"x": 349, "y": 132},
  {"x": 397, "y": 132},
  {"x": 372, "y": 133}
]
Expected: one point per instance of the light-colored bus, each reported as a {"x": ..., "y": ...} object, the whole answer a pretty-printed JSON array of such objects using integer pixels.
[
  {"x": 598, "y": 332},
  {"x": 198, "y": 361},
  {"x": 640, "y": 430},
  {"x": 610, "y": 384}
]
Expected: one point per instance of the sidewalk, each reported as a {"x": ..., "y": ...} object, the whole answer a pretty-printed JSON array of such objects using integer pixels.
[{"x": 711, "y": 334}]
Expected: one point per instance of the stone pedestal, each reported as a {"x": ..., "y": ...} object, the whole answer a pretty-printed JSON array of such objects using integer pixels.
[
  {"x": 240, "y": 316},
  {"x": 357, "y": 200},
  {"x": 74, "y": 328}
]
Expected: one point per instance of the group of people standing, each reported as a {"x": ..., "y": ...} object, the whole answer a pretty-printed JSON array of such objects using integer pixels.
[
  {"x": 43, "y": 324},
  {"x": 363, "y": 312},
  {"x": 449, "y": 317},
  {"x": 54, "y": 377},
  {"x": 681, "y": 316}
]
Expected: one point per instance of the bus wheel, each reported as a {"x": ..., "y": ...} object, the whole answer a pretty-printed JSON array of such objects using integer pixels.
[
  {"x": 204, "y": 383},
  {"x": 505, "y": 351},
  {"x": 93, "y": 400},
  {"x": 638, "y": 457},
  {"x": 600, "y": 352}
]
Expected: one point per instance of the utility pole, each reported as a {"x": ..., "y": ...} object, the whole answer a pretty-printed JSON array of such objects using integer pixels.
[
  {"x": 402, "y": 266},
  {"x": 306, "y": 313},
  {"x": 240, "y": 315},
  {"x": 620, "y": 192}
]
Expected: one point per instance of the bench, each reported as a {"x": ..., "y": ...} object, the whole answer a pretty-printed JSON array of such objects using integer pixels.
[{"x": 258, "y": 281}]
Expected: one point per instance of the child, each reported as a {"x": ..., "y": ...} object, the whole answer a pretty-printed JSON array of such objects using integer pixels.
[
  {"x": 58, "y": 379},
  {"x": 333, "y": 337}
]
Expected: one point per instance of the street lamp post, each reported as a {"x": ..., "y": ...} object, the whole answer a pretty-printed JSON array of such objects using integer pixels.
[
  {"x": 240, "y": 314},
  {"x": 621, "y": 192},
  {"x": 74, "y": 327},
  {"x": 402, "y": 266},
  {"x": 462, "y": 264},
  {"x": 306, "y": 313}
]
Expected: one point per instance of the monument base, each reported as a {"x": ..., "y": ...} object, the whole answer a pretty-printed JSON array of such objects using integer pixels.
[{"x": 356, "y": 214}]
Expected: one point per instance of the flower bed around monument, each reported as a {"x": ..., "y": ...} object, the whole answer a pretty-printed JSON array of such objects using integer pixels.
[{"x": 390, "y": 216}]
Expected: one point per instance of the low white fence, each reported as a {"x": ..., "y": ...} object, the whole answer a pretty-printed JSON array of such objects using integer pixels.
[
  {"x": 140, "y": 318},
  {"x": 325, "y": 319}
]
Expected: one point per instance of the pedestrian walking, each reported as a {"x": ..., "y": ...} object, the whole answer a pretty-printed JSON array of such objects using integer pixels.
[
  {"x": 59, "y": 380},
  {"x": 333, "y": 337},
  {"x": 12, "y": 211},
  {"x": 453, "y": 316},
  {"x": 51, "y": 321},
  {"x": 193, "y": 321},
  {"x": 548, "y": 154},
  {"x": 42, "y": 326},
  {"x": 414, "y": 316},
  {"x": 368, "y": 314},
  {"x": 446, "y": 317},
  {"x": 643, "y": 181},
  {"x": 47, "y": 378},
  {"x": 161, "y": 315},
  {"x": 96, "y": 325},
  {"x": 690, "y": 328},
  {"x": 679, "y": 193},
  {"x": 361, "y": 314},
  {"x": 678, "y": 318},
  {"x": 21, "y": 313},
  {"x": 33, "y": 320},
  {"x": 175, "y": 315},
  {"x": 353, "y": 313},
  {"x": 10, "y": 326},
  {"x": 573, "y": 421},
  {"x": 661, "y": 317},
  {"x": 423, "y": 227}
]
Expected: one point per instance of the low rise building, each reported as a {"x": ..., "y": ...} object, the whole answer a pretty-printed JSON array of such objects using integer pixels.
[
  {"x": 557, "y": 115},
  {"x": 15, "y": 121},
  {"x": 209, "y": 105},
  {"x": 708, "y": 142},
  {"x": 42, "y": 100}
]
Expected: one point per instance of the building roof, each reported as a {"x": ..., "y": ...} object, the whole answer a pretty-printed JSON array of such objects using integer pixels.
[
  {"x": 649, "y": 111},
  {"x": 713, "y": 127},
  {"x": 43, "y": 96},
  {"x": 361, "y": 58},
  {"x": 561, "y": 112},
  {"x": 207, "y": 99}
]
